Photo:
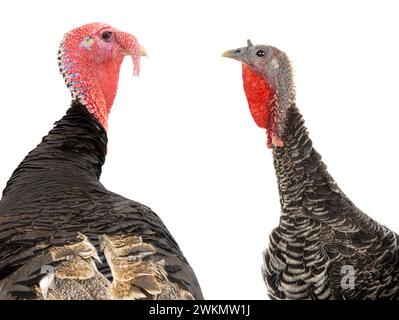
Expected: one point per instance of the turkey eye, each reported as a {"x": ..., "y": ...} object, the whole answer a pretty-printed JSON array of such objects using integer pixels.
[
  {"x": 106, "y": 36},
  {"x": 260, "y": 53}
]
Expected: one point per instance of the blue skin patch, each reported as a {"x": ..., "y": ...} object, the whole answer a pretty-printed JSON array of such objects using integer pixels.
[{"x": 87, "y": 42}]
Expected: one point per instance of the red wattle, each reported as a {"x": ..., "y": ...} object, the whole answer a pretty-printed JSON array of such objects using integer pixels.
[
  {"x": 258, "y": 94},
  {"x": 262, "y": 103}
]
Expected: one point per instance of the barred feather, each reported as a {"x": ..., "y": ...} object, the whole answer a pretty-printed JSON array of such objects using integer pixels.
[{"x": 322, "y": 234}]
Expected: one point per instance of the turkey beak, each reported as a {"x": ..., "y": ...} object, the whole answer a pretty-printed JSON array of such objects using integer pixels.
[
  {"x": 143, "y": 52},
  {"x": 240, "y": 54},
  {"x": 131, "y": 47}
]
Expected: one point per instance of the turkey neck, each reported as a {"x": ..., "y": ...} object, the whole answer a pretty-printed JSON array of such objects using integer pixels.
[
  {"x": 73, "y": 152},
  {"x": 301, "y": 174}
]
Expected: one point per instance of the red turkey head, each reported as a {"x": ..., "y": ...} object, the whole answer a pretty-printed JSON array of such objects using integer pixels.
[
  {"x": 90, "y": 58},
  {"x": 268, "y": 85}
]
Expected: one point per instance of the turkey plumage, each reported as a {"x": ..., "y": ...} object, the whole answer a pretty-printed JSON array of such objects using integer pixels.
[
  {"x": 324, "y": 246},
  {"x": 63, "y": 235}
]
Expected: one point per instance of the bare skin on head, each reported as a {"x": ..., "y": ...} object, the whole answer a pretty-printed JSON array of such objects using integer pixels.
[
  {"x": 90, "y": 58},
  {"x": 268, "y": 85}
]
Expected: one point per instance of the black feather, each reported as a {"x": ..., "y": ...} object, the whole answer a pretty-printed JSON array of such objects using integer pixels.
[{"x": 55, "y": 193}]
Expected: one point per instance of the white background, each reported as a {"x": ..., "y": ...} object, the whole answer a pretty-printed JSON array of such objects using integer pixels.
[{"x": 181, "y": 138}]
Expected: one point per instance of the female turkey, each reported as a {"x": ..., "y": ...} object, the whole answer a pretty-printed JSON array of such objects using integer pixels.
[
  {"x": 57, "y": 219},
  {"x": 324, "y": 246}
]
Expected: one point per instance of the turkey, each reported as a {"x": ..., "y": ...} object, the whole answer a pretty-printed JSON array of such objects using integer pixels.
[
  {"x": 324, "y": 246},
  {"x": 63, "y": 235}
]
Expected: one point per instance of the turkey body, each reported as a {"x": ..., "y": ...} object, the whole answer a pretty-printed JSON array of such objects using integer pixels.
[
  {"x": 324, "y": 247},
  {"x": 55, "y": 217}
]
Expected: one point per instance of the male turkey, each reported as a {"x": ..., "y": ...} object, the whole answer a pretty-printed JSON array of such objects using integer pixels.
[
  {"x": 57, "y": 220},
  {"x": 324, "y": 246}
]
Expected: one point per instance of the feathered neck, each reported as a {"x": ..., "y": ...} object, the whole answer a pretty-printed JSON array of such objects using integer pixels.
[
  {"x": 295, "y": 161},
  {"x": 73, "y": 151}
]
